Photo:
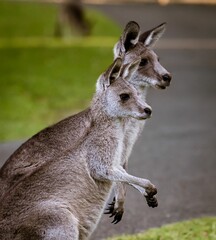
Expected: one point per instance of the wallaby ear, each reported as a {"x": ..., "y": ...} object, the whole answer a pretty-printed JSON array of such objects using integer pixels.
[
  {"x": 114, "y": 71},
  {"x": 128, "y": 39},
  {"x": 130, "y": 69},
  {"x": 109, "y": 76},
  {"x": 149, "y": 38}
]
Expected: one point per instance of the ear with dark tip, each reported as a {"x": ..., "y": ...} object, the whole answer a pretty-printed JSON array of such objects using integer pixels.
[
  {"x": 130, "y": 69},
  {"x": 109, "y": 76},
  {"x": 114, "y": 71},
  {"x": 149, "y": 38},
  {"x": 128, "y": 39}
]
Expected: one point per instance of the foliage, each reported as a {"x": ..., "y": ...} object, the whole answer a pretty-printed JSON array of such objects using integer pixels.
[{"x": 196, "y": 229}]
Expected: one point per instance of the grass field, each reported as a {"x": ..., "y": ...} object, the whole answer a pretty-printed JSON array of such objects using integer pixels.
[
  {"x": 44, "y": 79},
  {"x": 197, "y": 229}
]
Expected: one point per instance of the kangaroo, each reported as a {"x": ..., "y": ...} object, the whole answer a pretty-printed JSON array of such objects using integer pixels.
[
  {"x": 150, "y": 74},
  {"x": 65, "y": 197}
]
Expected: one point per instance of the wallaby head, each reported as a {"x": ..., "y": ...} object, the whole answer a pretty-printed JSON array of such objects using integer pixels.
[
  {"x": 119, "y": 98},
  {"x": 132, "y": 44}
]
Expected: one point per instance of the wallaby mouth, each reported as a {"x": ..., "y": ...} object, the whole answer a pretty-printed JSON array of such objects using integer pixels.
[
  {"x": 147, "y": 113},
  {"x": 143, "y": 117},
  {"x": 160, "y": 86}
]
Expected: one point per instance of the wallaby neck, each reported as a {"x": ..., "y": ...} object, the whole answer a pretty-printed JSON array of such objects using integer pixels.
[
  {"x": 142, "y": 90},
  {"x": 100, "y": 116}
]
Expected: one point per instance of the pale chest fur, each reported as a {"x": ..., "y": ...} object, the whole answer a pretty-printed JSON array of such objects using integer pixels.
[
  {"x": 120, "y": 146},
  {"x": 132, "y": 130}
]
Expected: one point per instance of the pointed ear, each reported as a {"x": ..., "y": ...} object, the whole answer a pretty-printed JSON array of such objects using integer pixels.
[
  {"x": 150, "y": 37},
  {"x": 109, "y": 76},
  {"x": 130, "y": 69},
  {"x": 128, "y": 39},
  {"x": 113, "y": 72}
]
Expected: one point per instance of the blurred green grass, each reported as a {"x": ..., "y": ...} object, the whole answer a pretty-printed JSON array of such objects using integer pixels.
[
  {"x": 39, "y": 84},
  {"x": 196, "y": 229}
]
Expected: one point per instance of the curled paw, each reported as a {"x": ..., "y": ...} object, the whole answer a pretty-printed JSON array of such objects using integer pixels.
[
  {"x": 151, "y": 191},
  {"x": 152, "y": 201},
  {"x": 117, "y": 213}
]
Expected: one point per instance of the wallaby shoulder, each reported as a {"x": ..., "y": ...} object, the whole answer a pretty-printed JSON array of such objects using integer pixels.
[{"x": 43, "y": 147}]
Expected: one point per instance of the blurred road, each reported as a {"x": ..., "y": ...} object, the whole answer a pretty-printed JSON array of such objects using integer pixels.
[{"x": 178, "y": 146}]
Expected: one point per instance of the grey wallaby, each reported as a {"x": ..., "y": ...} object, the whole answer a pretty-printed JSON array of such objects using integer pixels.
[
  {"x": 71, "y": 19},
  {"x": 150, "y": 74},
  {"x": 63, "y": 193},
  {"x": 66, "y": 133}
]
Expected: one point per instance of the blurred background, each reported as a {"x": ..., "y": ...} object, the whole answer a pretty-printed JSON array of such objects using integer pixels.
[
  {"x": 50, "y": 49},
  {"x": 51, "y": 53}
]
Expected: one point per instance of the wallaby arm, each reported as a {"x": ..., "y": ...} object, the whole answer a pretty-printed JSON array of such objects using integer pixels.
[{"x": 118, "y": 174}]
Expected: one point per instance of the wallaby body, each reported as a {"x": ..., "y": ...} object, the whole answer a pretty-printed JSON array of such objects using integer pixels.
[
  {"x": 64, "y": 197},
  {"x": 150, "y": 74},
  {"x": 66, "y": 133}
]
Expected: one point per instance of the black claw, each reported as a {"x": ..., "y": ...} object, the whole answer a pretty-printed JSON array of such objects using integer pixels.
[
  {"x": 114, "y": 213},
  {"x": 107, "y": 212},
  {"x": 118, "y": 217},
  {"x": 110, "y": 209},
  {"x": 115, "y": 221}
]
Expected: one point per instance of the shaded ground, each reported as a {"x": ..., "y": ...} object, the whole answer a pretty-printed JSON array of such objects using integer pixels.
[{"x": 178, "y": 146}]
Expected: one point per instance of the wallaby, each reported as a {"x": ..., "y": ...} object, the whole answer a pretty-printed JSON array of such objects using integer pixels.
[
  {"x": 150, "y": 74},
  {"x": 66, "y": 133},
  {"x": 64, "y": 197},
  {"x": 71, "y": 17}
]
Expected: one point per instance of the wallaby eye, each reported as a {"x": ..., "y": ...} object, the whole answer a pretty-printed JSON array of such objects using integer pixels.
[
  {"x": 124, "y": 96},
  {"x": 143, "y": 62},
  {"x": 158, "y": 59}
]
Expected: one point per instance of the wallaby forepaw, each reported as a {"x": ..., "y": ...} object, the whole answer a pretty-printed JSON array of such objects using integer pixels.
[
  {"x": 152, "y": 202},
  {"x": 117, "y": 213},
  {"x": 151, "y": 191},
  {"x": 150, "y": 198}
]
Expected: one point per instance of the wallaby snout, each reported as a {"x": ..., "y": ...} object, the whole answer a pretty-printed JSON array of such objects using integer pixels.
[
  {"x": 163, "y": 81},
  {"x": 167, "y": 78},
  {"x": 145, "y": 111},
  {"x": 148, "y": 111}
]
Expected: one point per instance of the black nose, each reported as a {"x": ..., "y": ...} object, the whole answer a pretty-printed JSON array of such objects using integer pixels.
[
  {"x": 148, "y": 111},
  {"x": 167, "y": 78}
]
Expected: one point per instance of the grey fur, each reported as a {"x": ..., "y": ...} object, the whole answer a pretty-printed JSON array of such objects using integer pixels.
[
  {"x": 60, "y": 194},
  {"x": 151, "y": 73},
  {"x": 65, "y": 134}
]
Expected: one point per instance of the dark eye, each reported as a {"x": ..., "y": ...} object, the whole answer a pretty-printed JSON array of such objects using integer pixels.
[
  {"x": 124, "y": 96},
  {"x": 158, "y": 59},
  {"x": 144, "y": 61}
]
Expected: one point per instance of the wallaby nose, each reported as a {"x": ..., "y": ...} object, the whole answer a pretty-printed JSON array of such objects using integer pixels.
[
  {"x": 148, "y": 111},
  {"x": 167, "y": 77}
]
